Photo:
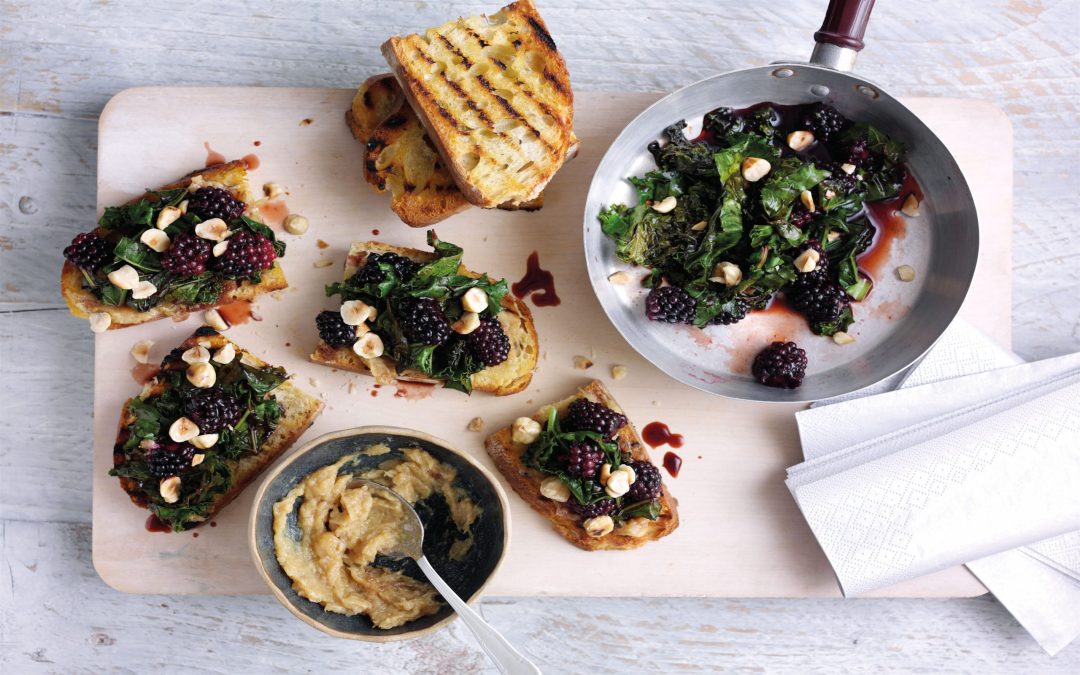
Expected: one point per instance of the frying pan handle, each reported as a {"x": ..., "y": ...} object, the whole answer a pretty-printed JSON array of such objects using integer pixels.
[{"x": 841, "y": 34}]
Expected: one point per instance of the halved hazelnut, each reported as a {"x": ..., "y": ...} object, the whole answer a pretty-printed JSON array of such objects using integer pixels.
[
  {"x": 143, "y": 289},
  {"x": 183, "y": 430},
  {"x": 727, "y": 273},
  {"x": 205, "y": 441},
  {"x": 370, "y": 346},
  {"x": 356, "y": 312},
  {"x": 525, "y": 430},
  {"x": 475, "y": 424},
  {"x": 201, "y": 375},
  {"x": 156, "y": 240},
  {"x": 273, "y": 190},
  {"x": 619, "y": 372},
  {"x": 170, "y": 489},
  {"x": 842, "y": 338},
  {"x": 168, "y": 215},
  {"x": 619, "y": 278},
  {"x": 220, "y": 248},
  {"x": 196, "y": 354},
  {"x": 197, "y": 459},
  {"x": 699, "y": 226},
  {"x": 125, "y": 277},
  {"x": 467, "y": 323},
  {"x": 666, "y": 205},
  {"x": 807, "y": 261},
  {"x": 599, "y": 526},
  {"x": 755, "y": 168},
  {"x": 226, "y": 354},
  {"x": 910, "y": 207},
  {"x": 100, "y": 322},
  {"x": 295, "y": 224},
  {"x": 800, "y": 140},
  {"x": 140, "y": 351},
  {"x": 848, "y": 168},
  {"x": 214, "y": 229},
  {"x": 807, "y": 199},
  {"x": 554, "y": 489},
  {"x": 475, "y": 300},
  {"x": 582, "y": 362}
]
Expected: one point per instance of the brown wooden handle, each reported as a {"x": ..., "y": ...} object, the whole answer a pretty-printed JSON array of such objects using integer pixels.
[{"x": 845, "y": 23}]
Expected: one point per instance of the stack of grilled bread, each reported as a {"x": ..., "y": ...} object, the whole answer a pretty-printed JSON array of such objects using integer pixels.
[{"x": 478, "y": 111}]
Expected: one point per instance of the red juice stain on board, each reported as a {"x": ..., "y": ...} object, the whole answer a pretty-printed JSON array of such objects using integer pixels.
[
  {"x": 144, "y": 372},
  {"x": 155, "y": 524},
  {"x": 375, "y": 232},
  {"x": 236, "y": 313},
  {"x": 658, "y": 433},
  {"x": 413, "y": 391},
  {"x": 257, "y": 143},
  {"x": 194, "y": 535},
  {"x": 779, "y": 306},
  {"x": 213, "y": 523},
  {"x": 251, "y": 161},
  {"x": 673, "y": 463},
  {"x": 321, "y": 244},
  {"x": 273, "y": 213},
  {"x": 374, "y": 393},
  {"x": 213, "y": 156},
  {"x": 538, "y": 282}
]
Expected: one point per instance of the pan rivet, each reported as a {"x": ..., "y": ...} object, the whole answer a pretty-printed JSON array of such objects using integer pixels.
[
  {"x": 783, "y": 72},
  {"x": 867, "y": 91},
  {"x": 819, "y": 90}
]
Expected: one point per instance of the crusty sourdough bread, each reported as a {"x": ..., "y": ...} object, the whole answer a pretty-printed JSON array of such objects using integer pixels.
[
  {"x": 399, "y": 156},
  {"x": 526, "y": 482},
  {"x": 509, "y": 377},
  {"x": 82, "y": 303},
  {"x": 494, "y": 95},
  {"x": 300, "y": 411}
]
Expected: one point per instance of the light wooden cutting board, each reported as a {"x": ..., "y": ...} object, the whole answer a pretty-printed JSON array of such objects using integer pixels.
[{"x": 741, "y": 534}]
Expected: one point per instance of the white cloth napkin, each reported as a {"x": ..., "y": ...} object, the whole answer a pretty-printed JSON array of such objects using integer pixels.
[{"x": 1039, "y": 584}]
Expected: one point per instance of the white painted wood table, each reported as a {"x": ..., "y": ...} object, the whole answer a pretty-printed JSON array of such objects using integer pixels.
[{"x": 60, "y": 62}]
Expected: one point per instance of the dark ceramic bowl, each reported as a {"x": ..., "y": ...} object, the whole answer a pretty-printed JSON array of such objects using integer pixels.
[{"x": 468, "y": 577}]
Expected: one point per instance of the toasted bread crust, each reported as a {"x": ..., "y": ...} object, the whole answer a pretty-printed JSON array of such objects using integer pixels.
[
  {"x": 494, "y": 95},
  {"x": 82, "y": 303},
  {"x": 509, "y": 377},
  {"x": 300, "y": 411},
  {"x": 526, "y": 482}
]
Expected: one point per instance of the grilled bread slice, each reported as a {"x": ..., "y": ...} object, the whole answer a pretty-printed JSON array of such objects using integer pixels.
[
  {"x": 299, "y": 412},
  {"x": 494, "y": 95},
  {"x": 399, "y": 156},
  {"x": 506, "y": 453},
  {"x": 233, "y": 177},
  {"x": 509, "y": 377}
]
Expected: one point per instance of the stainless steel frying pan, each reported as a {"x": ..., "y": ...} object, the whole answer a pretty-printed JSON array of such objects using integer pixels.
[{"x": 894, "y": 326}]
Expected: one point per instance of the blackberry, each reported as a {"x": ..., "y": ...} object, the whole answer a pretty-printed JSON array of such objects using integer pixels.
[
  {"x": 734, "y": 311},
  {"x": 858, "y": 153},
  {"x": 334, "y": 331},
  {"x": 585, "y": 415},
  {"x": 215, "y": 202},
  {"x": 600, "y": 508},
  {"x": 646, "y": 485},
  {"x": 819, "y": 303},
  {"x": 583, "y": 458},
  {"x": 839, "y": 180},
  {"x": 781, "y": 364},
  {"x": 169, "y": 459},
  {"x": 213, "y": 410},
  {"x": 371, "y": 273},
  {"x": 670, "y": 304},
  {"x": 800, "y": 217},
  {"x": 88, "y": 251},
  {"x": 187, "y": 255},
  {"x": 422, "y": 321},
  {"x": 820, "y": 273},
  {"x": 825, "y": 121},
  {"x": 247, "y": 254},
  {"x": 489, "y": 343}
]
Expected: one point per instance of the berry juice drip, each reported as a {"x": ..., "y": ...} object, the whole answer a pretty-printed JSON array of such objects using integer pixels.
[
  {"x": 213, "y": 157},
  {"x": 155, "y": 524},
  {"x": 891, "y": 225},
  {"x": 658, "y": 433},
  {"x": 236, "y": 313},
  {"x": 672, "y": 463},
  {"x": 538, "y": 282}
]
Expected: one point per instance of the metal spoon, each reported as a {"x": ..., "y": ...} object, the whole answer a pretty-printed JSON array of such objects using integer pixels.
[{"x": 502, "y": 653}]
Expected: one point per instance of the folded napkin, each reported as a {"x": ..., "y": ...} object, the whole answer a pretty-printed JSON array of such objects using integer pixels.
[{"x": 1039, "y": 584}]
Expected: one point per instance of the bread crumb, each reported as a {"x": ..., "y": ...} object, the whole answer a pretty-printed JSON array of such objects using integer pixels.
[
  {"x": 582, "y": 363},
  {"x": 476, "y": 424},
  {"x": 618, "y": 372}
]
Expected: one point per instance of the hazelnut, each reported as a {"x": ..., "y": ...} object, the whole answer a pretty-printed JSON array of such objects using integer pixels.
[
  {"x": 800, "y": 140},
  {"x": 220, "y": 248},
  {"x": 605, "y": 473},
  {"x": 213, "y": 318},
  {"x": 183, "y": 206},
  {"x": 832, "y": 236},
  {"x": 842, "y": 338},
  {"x": 126, "y": 277},
  {"x": 475, "y": 300},
  {"x": 807, "y": 199},
  {"x": 619, "y": 372},
  {"x": 910, "y": 207},
  {"x": 755, "y": 168},
  {"x": 170, "y": 489},
  {"x": 807, "y": 261},
  {"x": 635, "y": 527},
  {"x": 226, "y": 354},
  {"x": 727, "y": 273},
  {"x": 322, "y": 262},
  {"x": 169, "y": 215},
  {"x": 620, "y": 278},
  {"x": 156, "y": 240},
  {"x": 356, "y": 312},
  {"x": 905, "y": 273},
  {"x": 475, "y": 424},
  {"x": 525, "y": 430},
  {"x": 554, "y": 489},
  {"x": 183, "y": 430},
  {"x": 370, "y": 346},
  {"x": 295, "y": 224},
  {"x": 197, "y": 459},
  {"x": 140, "y": 351},
  {"x": 468, "y": 322},
  {"x": 100, "y": 322},
  {"x": 599, "y": 526},
  {"x": 201, "y": 375},
  {"x": 214, "y": 229},
  {"x": 666, "y": 205},
  {"x": 143, "y": 290},
  {"x": 204, "y": 441},
  {"x": 197, "y": 354},
  {"x": 582, "y": 363},
  {"x": 848, "y": 168},
  {"x": 699, "y": 226},
  {"x": 273, "y": 190}
]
